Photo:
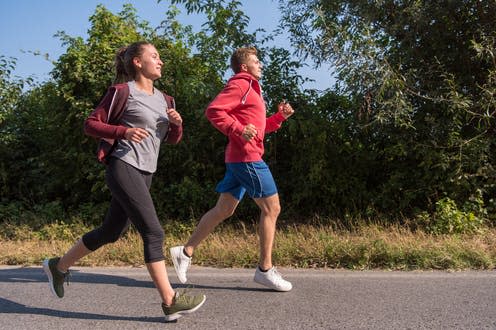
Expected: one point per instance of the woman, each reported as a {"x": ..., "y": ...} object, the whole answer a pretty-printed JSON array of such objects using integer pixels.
[{"x": 131, "y": 121}]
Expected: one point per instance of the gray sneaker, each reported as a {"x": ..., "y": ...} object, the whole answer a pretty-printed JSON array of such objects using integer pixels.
[
  {"x": 182, "y": 304},
  {"x": 181, "y": 262},
  {"x": 55, "y": 277}
]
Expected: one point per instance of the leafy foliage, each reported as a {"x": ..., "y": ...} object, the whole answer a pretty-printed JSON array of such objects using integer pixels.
[
  {"x": 449, "y": 219},
  {"x": 424, "y": 72},
  {"x": 409, "y": 129}
]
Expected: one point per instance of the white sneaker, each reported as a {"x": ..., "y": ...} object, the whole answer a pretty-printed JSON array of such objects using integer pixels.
[
  {"x": 272, "y": 279},
  {"x": 181, "y": 262}
]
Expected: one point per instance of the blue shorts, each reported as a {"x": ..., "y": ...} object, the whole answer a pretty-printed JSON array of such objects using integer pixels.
[{"x": 254, "y": 178}]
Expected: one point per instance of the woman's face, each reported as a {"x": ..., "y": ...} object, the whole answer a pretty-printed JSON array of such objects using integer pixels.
[{"x": 149, "y": 64}]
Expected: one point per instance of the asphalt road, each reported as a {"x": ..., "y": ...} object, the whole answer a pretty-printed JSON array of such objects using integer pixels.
[{"x": 125, "y": 298}]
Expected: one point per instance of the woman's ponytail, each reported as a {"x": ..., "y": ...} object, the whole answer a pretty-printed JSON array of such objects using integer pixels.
[
  {"x": 121, "y": 75},
  {"x": 124, "y": 66}
]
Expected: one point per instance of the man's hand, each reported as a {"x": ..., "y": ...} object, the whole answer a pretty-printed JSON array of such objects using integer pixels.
[
  {"x": 285, "y": 109},
  {"x": 249, "y": 132}
]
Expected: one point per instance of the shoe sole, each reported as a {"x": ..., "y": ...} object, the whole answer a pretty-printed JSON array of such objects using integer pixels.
[
  {"x": 176, "y": 264},
  {"x": 180, "y": 314},
  {"x": 48, "y": 272}
]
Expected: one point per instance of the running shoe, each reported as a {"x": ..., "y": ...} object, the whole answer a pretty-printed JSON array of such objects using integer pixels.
[
  {"x": 55, "y": 277},
  {"x": 181, "y": 262},
  {"x": 182, "y": 304},
  {"x": 272, "y": 279}
]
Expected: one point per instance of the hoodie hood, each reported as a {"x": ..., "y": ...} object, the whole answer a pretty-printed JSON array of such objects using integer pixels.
[
  {"x": 240, "y": 79},
  {"x": 242, "y": 75}
]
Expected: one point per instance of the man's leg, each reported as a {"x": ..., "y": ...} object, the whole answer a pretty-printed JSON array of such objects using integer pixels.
[
  {"x": 225, "y": 207},
  {"x": 266, "y": 274},
  {"x": 181, "y": 255},
  {"x": 269, "y": 211}
]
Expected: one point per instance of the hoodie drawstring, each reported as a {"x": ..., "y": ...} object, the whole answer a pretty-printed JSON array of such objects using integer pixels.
[{"x": 243, "y": 100}]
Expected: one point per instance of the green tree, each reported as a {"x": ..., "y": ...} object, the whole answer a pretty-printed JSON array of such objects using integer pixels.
[
  {"x": 203, "y": 150},
  {"x": 224, "y": 30},
  {"x": 425, "y": 74},
  {"x": 11, "y": 90},
  {"x": 51, "y": 158}
]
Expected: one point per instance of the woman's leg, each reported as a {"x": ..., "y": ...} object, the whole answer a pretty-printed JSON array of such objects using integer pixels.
[
  {"x": 76, "y": 252},
  {"x": 130, "y": 187},
  {"x": 113, "y": 226},
  {"x": 158, "y": 273}
]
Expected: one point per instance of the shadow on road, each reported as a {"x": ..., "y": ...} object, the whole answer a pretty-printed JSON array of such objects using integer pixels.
[
  {"x": 34, "y": 274},
  {"x": 8, "y": 306},
  {"x": 37, "y": 275}
]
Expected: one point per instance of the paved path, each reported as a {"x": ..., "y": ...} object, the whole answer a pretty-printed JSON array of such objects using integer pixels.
[{"x": 124, "y": 298}]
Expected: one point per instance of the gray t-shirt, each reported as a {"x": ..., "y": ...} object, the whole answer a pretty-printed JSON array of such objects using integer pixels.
[{"x": 147, "y": 112}]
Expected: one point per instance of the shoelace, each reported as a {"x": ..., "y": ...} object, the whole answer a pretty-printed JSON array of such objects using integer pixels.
[
  {"x": 67, "y": 277},
  {"x": 278, "y": 276},
  {"x": 185, "y": 291},
  {"x": 185, "y": 298}
]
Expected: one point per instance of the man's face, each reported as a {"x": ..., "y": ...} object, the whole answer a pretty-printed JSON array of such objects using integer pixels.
[{"x": 253, "y": 66}]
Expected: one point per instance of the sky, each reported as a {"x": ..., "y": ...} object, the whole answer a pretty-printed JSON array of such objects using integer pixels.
[{"x": 28, "y": 26}]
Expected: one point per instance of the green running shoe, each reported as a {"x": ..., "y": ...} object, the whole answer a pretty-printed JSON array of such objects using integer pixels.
[
  {"x": 182, "y": 304},
  {"x": 55, "y": 277}
]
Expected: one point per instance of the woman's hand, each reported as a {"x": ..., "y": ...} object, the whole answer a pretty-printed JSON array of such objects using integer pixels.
[
  {"x": 174, "y": 117},
  {"x": 136, "y": 134}
]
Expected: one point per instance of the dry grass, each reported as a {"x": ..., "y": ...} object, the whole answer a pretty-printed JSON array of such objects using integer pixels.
[{"x": 305, "y": 246}]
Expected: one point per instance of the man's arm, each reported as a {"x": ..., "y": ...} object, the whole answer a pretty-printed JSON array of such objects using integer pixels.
[
  {"x": 284, "y": 111},
  {"x": 218, "y": 110}
]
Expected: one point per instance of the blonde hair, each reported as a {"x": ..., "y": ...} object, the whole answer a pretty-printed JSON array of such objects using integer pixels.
[{"x": 240, "y": 56}]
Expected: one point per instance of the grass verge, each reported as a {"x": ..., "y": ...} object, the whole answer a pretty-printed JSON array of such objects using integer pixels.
[{"x": 301, "y": 246}]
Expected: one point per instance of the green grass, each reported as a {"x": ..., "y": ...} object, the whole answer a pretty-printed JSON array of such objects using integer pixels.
[{"x": 301, "y": 246}]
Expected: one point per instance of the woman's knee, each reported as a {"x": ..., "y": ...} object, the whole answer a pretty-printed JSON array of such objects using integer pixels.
[
  {"x": 99, "y": 237},
  {"x": 153, "y": 245}
]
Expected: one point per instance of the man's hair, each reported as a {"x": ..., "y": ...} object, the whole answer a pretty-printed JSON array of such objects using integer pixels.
[{"x": 240, "y": 56}]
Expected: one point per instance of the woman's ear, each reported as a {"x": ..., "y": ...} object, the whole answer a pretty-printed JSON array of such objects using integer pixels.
[{"x": 137, "y": 62}]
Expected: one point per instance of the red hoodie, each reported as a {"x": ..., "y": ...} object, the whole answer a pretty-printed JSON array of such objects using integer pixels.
[{"x": 241, "y": 103}]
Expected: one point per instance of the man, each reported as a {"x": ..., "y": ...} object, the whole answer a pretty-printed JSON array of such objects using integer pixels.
[{"x": 239, "y": 113}]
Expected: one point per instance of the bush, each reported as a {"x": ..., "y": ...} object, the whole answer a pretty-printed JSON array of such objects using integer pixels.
[{"x": 449, "y": 219}]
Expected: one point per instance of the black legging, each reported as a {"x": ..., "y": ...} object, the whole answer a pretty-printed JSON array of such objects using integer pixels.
[{"x": 131, "y": 203}]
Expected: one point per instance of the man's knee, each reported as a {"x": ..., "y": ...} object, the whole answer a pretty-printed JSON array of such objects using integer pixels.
[
  {"x": 225, "y": 207},
  {"x": 269, "y": 206},
  {"x": 224, "y": 211},
  {"x": 273, "y": 211}
]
